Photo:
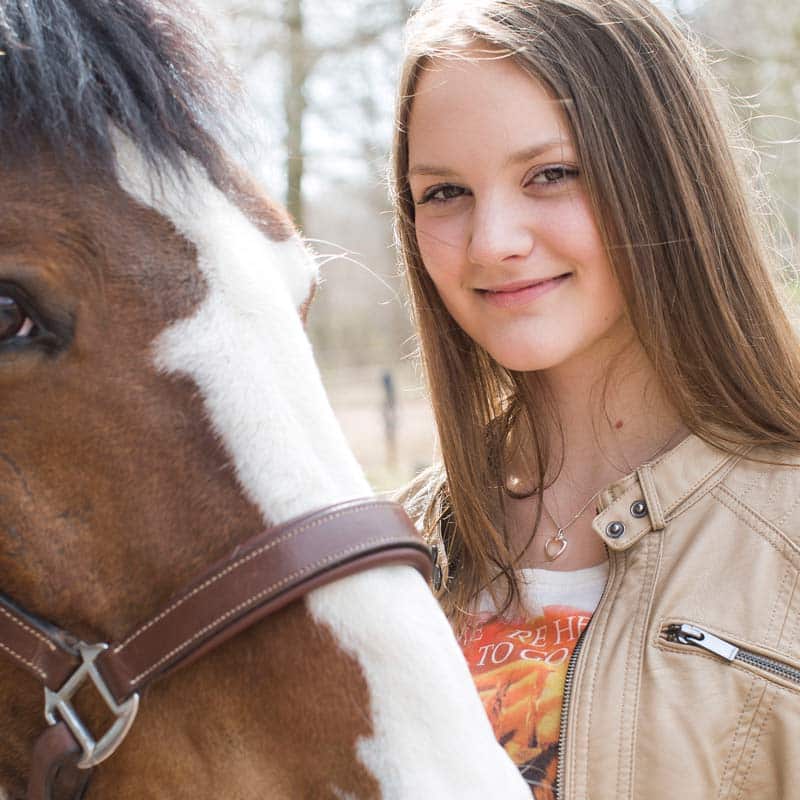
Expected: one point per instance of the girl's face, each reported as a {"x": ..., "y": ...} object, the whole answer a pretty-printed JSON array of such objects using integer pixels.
[{"x": 503, "y": 222}]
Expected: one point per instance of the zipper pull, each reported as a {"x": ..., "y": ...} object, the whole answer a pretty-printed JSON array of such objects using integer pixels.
[{"x": 689, "y": 634}]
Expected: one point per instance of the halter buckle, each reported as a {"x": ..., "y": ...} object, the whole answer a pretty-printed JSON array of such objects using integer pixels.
[{"x": 93, "y": 751}]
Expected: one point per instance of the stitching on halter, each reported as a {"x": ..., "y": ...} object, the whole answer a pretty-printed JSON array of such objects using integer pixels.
[
  {"x": 40, "y": 672},
  {"x": 232, "y": 612},
  {"x": 211, "y": 581},
  {"x": 29, "y": 630}
]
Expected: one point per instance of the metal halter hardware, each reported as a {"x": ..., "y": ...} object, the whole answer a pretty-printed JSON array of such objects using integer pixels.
[
  {"x": 94, "y": 752},
  {"x": 258, "y": 577}
]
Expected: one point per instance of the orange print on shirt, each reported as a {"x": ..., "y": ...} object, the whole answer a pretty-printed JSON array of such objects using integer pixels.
[{"x": 519, "y": 668}]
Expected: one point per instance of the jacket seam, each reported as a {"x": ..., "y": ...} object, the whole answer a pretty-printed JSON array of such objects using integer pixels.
[
  {"x": 761, "y": 727},
  {"x": 691, "y": 503},
  {"x": 789, "y": 550},
  {"x": 676, "y": 510},
  {"x": 723, "y": 468},
  {"x": 737, "y": 501},
  {"x": 787, "y": 574},
  {"x": 790, "y": 629},
  {"x": 795, "y": 628},
  {"x": 651, "y": 575},
  {"x": 737, "y": 734},
  {"x": 789, "y": 511},
  {"x": 744, "y": 492},
  {"x": 655, "y": 510},
  {"x": 739, "y": 777}
]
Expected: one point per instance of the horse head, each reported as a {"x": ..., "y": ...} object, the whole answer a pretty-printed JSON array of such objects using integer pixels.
[{"x": 160, "y": 405}]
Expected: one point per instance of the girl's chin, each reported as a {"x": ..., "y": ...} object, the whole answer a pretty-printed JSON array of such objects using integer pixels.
[{"x": 524, "y": 362}]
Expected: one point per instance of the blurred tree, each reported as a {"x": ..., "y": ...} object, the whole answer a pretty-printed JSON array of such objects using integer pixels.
[
  {"x": 294, "y": 104},
  {"x": 756, "y": 46},
  {"x": 337, "y": 65}
]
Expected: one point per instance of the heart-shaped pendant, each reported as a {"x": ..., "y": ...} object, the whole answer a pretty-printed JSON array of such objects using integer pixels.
[{"x": 555, "y": 545}]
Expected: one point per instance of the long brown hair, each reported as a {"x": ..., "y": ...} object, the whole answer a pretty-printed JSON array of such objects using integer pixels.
[{"x": 685, "y": 234}]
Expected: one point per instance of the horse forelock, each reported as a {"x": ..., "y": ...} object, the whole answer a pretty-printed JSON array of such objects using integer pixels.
[{"x": 68, "y": 68}]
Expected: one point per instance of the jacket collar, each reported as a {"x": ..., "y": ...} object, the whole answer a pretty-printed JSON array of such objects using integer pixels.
[{"x": 647, "y": 499}]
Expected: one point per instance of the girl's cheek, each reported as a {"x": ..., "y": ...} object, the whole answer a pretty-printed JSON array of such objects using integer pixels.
[{"x": 442, "y": 243}]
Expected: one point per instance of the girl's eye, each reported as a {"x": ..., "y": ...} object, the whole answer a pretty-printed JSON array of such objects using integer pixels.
[
  {"x": 441, "y": 194},
  {"x": 14, "y": 322},
  {"x": 553, "y": 176}
]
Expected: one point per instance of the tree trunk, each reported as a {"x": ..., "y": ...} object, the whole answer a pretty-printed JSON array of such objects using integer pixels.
[{"x": 294, "y": 101}]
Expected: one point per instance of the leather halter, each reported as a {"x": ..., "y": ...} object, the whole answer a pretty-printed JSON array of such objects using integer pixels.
[{"x": 258, "y": 578}]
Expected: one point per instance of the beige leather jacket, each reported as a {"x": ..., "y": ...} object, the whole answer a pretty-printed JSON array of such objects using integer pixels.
[{"x": 686, "y": 685}]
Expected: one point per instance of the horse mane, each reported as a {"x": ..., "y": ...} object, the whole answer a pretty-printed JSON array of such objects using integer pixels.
[{"x": 71, "y": 71}]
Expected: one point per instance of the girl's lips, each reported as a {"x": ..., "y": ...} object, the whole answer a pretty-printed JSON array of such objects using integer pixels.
[{"x": 521, "y": 293}]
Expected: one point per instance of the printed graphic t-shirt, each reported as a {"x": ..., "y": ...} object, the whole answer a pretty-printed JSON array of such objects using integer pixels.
[{"x": 519, "y": 665}]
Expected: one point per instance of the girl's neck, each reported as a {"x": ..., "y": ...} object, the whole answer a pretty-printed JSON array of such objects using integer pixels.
[{"x": 613, "y": 415}]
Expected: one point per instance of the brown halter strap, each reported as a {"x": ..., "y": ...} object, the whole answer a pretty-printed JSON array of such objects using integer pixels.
[{"x": 258, "y": 578}]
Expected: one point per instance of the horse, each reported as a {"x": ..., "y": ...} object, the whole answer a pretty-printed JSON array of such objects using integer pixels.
[{"x": 161, "y": 404}]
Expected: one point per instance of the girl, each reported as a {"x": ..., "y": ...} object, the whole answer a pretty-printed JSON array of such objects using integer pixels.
[{"x": 617, "y": 393}]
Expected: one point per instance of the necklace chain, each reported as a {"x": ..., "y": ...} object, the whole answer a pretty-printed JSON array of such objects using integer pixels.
[
  {"x": 564, "y": 527},
  {"x": 556, "y": 545}
]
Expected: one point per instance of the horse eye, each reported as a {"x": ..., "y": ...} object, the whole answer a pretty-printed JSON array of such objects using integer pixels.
[{"x": 14, "y": 322}]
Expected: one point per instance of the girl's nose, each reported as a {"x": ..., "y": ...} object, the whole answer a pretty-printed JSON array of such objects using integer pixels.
[{"x": 500, "y": 232}]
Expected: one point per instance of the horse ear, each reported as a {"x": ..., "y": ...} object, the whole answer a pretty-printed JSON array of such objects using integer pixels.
[{"x": 312, "y": 292}]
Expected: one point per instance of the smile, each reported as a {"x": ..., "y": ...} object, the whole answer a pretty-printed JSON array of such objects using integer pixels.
[{"x": 521, "y": 292}]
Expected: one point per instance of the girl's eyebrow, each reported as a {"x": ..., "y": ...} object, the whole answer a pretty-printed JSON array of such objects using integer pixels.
[
  {"x": 515, "y": 158},
  {"x": 426, "y": 169},
  {"x": 530, "y": 153}
]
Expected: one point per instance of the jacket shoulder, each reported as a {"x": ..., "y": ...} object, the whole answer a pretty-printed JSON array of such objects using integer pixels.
[{"x": 767, "y": 481}]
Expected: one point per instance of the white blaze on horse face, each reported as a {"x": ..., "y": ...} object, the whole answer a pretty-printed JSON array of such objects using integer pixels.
[{"x": 245, "y": 347}]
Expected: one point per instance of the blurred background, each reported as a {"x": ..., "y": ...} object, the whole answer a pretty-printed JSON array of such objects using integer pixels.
[{"x": 320, "y": 75}]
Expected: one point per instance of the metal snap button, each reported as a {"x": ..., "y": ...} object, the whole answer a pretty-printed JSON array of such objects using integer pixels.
[
  {"x": 437, "y": 578},
  {"x": 639, "y": 509},
  {"x": 614, "y": 530}
]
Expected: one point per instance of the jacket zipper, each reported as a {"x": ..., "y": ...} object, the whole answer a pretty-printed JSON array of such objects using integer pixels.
[
  {"x": 571, "y": 667},
  {"x": 697, "y": 637},
  {"x": 562, "y": 731}
]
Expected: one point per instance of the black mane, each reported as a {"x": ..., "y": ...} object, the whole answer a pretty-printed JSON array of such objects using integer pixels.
[{"x": 68, "y": 68}]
